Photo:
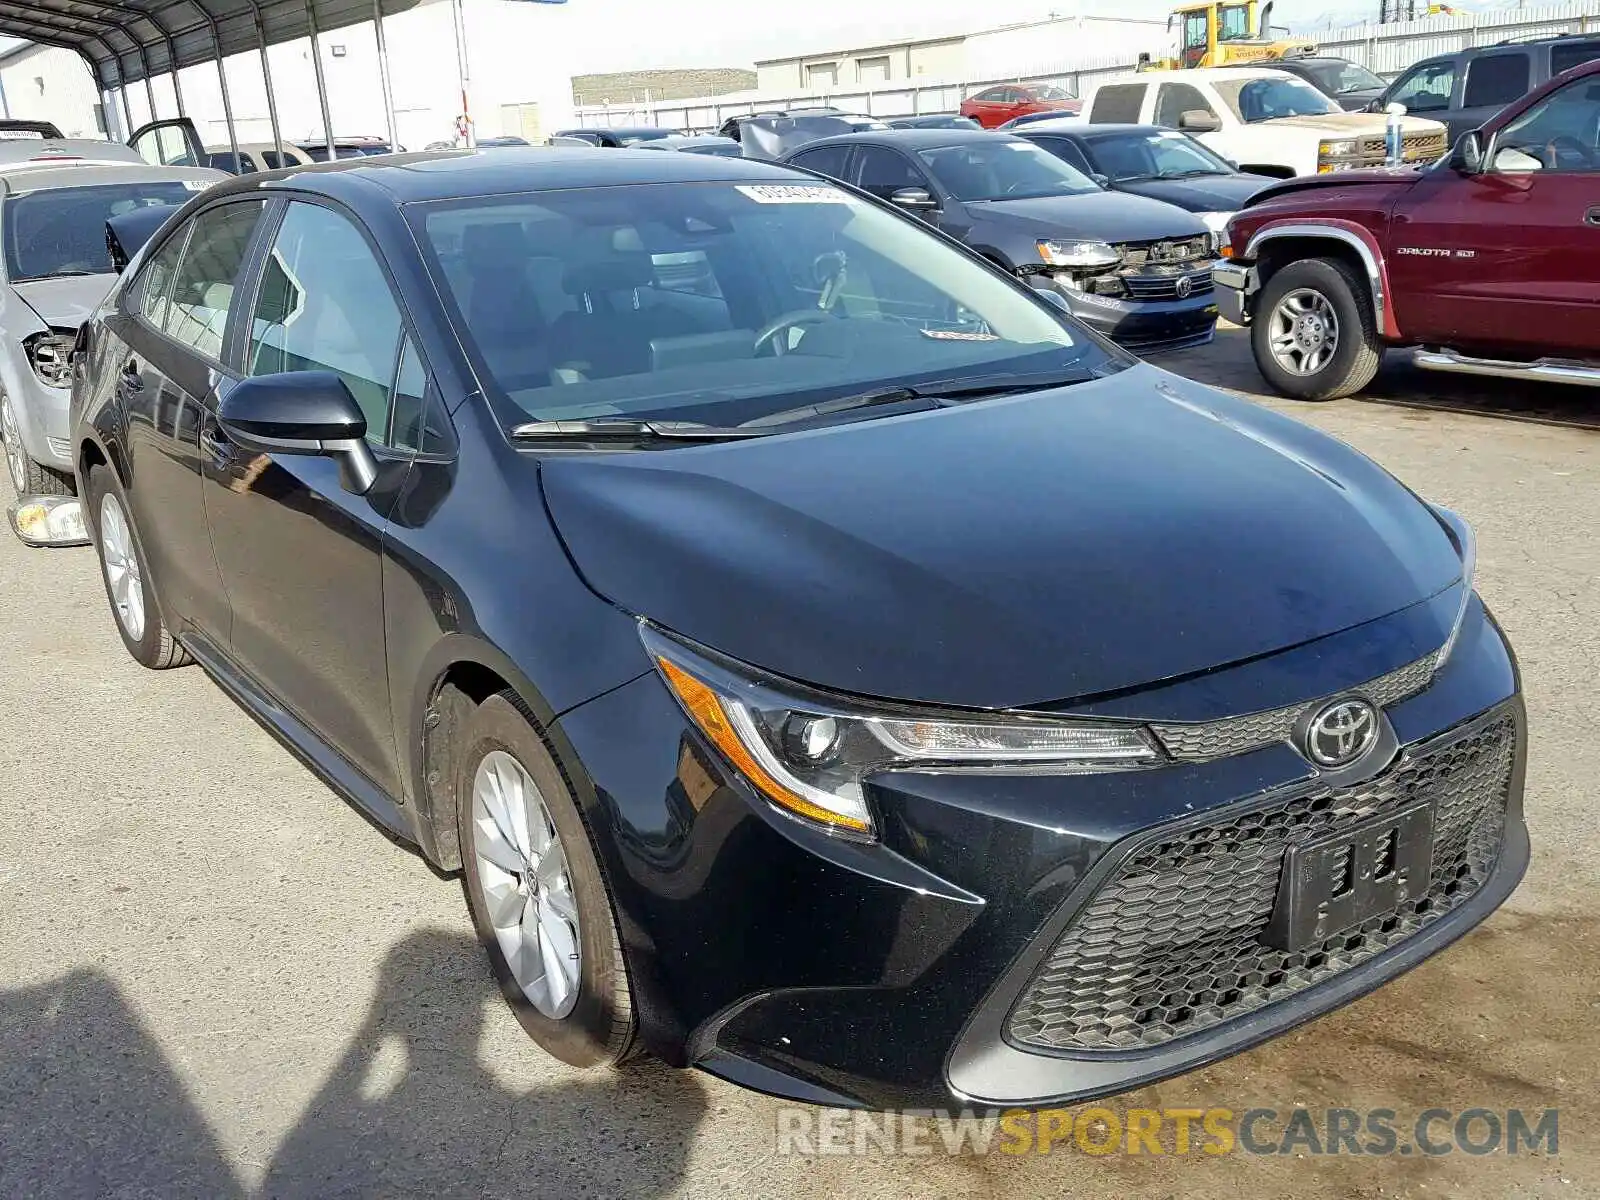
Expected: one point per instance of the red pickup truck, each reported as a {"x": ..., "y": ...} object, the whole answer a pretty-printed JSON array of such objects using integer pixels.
[{"x": 1488, "y": 261}]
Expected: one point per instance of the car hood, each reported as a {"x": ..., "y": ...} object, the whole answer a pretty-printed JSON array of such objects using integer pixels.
[
  {"x": 1008, "y": 553},
  {"x": 1205, "y": 193},
  {"x": 1105, "y": 216},
  {"x": 66, "y": 302},
  {"x": 1395, "y": 177},
  {"x": 1350, "y": 124}
]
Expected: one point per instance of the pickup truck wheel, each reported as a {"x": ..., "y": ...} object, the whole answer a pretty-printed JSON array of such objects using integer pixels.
[{"x": 1315, "y": 336}]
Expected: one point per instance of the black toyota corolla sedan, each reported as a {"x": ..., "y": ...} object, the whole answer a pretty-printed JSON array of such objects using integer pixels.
[{"x": 827, "y": 663}]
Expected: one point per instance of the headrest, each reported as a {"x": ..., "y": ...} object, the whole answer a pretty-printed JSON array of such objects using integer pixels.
[
  {"x": 619, "y": 273},
  {"x": 502, "y": 246}
]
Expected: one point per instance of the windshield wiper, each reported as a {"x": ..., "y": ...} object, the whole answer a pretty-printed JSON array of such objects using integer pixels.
[
  {"x": 1189, "y": 174},
  {"x": 941, "y": 392},
  {"x": 630, "y": 429}
]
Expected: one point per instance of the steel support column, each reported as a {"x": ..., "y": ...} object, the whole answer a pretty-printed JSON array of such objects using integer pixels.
[
  {"x": 383, "y": 76},
  {"x": 266, "y": 76},
  {"x": 458, "y": 15},
  {"x": 322, "y": 86}
]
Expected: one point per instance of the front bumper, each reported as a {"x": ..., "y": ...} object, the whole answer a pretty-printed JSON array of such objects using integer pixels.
[
  {"x": 908, "y": 973},
  {"x": 1143, "y": 326},
  {"x": 1235, "y": 284},
  {"x": 41, "y": 413}
]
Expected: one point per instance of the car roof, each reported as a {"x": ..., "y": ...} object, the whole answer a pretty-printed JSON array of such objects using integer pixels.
[
  {"x": 1088, "y": 132},
  {"x": 451, "y": 174},
  {"x": 15, "y": 151},
  {"x": 912, "y": 139},
  {"x": 41, "y": 176},
  {"x": 1203, "y": 74}
]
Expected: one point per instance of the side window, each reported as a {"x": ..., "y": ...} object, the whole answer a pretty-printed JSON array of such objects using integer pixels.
[
  {"x": 1566, "y": 55},
  {"x": 202, "y": 289},
  {"x": 883, "y": 172},
  {"x": 325, "y": 305},
  {"x": 416, "y": 422},
  {"x": 1496, "y": 79},
  {"x": 1175, "y": 99},
  {"x": 1427, "y": 88},
  {"x": 153, "y": 289},
  {"x": 1560, "y": 133},
  {"x": 830, "y": 160},
  {"x": 992, "y": 95},
  {"x": 1067, "y": 151},
  {"x": 1117, "y": 104}
]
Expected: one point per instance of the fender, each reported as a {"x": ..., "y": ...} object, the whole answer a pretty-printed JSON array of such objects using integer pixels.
[{"x": 1357, "y": 237}]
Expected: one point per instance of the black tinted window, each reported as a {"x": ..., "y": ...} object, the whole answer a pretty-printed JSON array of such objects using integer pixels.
[
  {"x": 1118, "y": 104},
  {"x": 1496, "y": 79},
  {"x": 1175, "y": 99},
  {"x": 202, "y": 290},
  {"x": 830, "y": 160},
  {"x": 325, "y": 305},
  {"x": 62, "y": 231},
  {"x": 1566, "y": 55},
  {"x": 416, "y": 421},
  {"x": 883, "y": 172}
]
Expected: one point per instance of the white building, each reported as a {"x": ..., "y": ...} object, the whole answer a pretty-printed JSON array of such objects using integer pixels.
[{"x": 519, "y": 81}]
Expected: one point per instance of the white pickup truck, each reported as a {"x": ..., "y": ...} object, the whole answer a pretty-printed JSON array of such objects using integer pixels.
[{"x": 1267, "y": 121}]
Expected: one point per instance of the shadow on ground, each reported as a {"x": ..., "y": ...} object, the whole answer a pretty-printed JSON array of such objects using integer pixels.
[
  {"x": 89, "y": 1105},
  {"x": 1227, "y": 362}
]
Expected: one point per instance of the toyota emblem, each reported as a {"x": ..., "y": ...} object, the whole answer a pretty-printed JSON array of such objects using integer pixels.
[
  {"x": 1341, "y": 732},
  {"x": 1182, "y": 287}
]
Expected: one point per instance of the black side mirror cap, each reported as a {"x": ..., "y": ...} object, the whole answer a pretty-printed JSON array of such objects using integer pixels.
[{"x": 301, "y": 412}]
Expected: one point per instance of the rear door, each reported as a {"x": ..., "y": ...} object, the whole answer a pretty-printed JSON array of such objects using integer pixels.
[
  {"x": 171, "y": 143},
  {"x": 1510, "y": 257},
  {"x": 171, "y": 328},
  {"x": 299, "y": 555}
]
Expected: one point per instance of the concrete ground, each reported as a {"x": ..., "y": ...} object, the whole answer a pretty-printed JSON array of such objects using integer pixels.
[{"x": 219, "y": 981}]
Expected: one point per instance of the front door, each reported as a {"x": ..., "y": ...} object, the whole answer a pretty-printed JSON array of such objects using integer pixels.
[
  {"x": 171, "y": 143},
  {"x": 302, "y": 557},
  {"x": 170, "y": 330},
  {"x": 1510, "y": 257}
]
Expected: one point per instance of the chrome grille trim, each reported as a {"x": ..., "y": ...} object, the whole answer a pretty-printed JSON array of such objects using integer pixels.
[{"x": 1203, "y": 741}]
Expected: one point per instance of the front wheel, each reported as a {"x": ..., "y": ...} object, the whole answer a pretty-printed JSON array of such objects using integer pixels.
[
  {"x": 536, "y": 892},
  {"x": 1314, "y": 334}
]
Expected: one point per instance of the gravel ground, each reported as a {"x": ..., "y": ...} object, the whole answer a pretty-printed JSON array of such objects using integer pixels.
[{"x": 219, "y": 981}]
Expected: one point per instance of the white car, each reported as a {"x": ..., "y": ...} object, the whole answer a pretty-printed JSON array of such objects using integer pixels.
[
  {"x": 55, "y": 268},
  {"x": 1268, "y": 122},
  {"x": 256, "y": 156}
]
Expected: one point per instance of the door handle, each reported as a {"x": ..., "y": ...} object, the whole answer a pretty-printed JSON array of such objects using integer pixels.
[
  {"x": 218, "y": 448},
  {"x": 130, "y": 380},
  {"x": 1592, "y": 217}
]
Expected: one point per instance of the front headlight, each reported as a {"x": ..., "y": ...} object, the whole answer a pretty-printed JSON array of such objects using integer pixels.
[
  {"x": 1466, "y": 543},
  {"x": 1079, "y": 254},
  {"x": 810, "y": 754},
  {"x": 1343, "y": 148},
  {"x": 50, "y": 355},
  {"x": 1217, "y": 223}
]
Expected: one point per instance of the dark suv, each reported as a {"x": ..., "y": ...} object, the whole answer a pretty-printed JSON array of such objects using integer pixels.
[
  {"x": 1467, "y": 88},
  {"x": 1349, "y": 85}
]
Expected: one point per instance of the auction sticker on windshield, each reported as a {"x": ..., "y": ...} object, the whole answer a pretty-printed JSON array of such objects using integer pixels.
[{"x": 788, "y": 193}]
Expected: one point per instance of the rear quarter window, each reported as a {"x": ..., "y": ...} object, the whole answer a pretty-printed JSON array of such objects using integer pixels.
[
  {"x": 1566, "y": 55},
  {"x": 1496, "y": 79},
  {"x": 1117, "y": 104}
]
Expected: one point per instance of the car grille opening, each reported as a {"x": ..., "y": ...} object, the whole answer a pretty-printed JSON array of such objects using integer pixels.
[
  {"x": 1414, "y": 148},
  {"x": 1165, "y": 286},
  {"x": 1171, "y": 944}
]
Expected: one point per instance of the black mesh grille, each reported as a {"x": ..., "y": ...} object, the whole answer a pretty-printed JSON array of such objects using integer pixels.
[{"x": 1171, "y": 943}]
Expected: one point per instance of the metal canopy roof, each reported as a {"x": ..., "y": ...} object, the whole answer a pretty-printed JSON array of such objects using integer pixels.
[{"x": 124, "y": 41}]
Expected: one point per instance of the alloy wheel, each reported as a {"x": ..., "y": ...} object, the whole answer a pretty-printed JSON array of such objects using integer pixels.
[
  {"x": 122, "y": 567},
  {"x": 527, "y": 889},
  {"x": 1304, "y": 332},
  {"x": 12, "y": 437}
]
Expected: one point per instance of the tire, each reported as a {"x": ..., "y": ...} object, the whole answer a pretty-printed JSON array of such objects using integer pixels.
[
  {"x": 148, "y": 638},
  {"x": 1295, "y": 305},
  {"x": 27, "y": 477},
  {"x": 593, "y": 1024}
]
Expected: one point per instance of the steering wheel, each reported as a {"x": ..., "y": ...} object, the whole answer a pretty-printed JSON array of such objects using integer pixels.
[
  {"x": 769, "y": 332},
  {"x": 1564, "y": 143}
]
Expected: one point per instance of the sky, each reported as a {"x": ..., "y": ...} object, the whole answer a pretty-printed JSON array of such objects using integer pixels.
[{"x": 620, "y": 35}]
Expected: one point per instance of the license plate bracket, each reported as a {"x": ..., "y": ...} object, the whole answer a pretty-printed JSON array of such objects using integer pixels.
[{"x": 1342, "y": 879}]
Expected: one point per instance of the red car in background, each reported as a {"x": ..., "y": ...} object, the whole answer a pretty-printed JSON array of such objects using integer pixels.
[{"x": 994, "y": 106}]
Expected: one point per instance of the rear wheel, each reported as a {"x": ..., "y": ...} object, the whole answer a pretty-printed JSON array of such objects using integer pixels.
[
  {"x": 537, "y": 896},
  {"x": 28, "y": 478},
  {"x": 1314, "y": 334},
  {"x": 127, "y": 576}
]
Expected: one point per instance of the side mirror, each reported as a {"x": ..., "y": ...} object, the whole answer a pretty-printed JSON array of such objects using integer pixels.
[
  {"x": 302, "y": 412},
  {"x": 1466, "y": 158},
  {"x": 913, "y": 198},
  {"x": 1198, "y": 120},
  {"x": 1055, "y": 299},
  {"x": 1375, "y": 106}
]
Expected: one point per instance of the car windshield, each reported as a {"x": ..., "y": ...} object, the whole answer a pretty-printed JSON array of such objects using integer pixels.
[
  {"x": 1270, "y": 96},
  {"x": 1000, "y": 170},
  {"x": 721, "y": 303},
  {"x": 1162, "y": 155},
  {"x": 1336, "y": 78},
  {"x": 62, "y": 231}
]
